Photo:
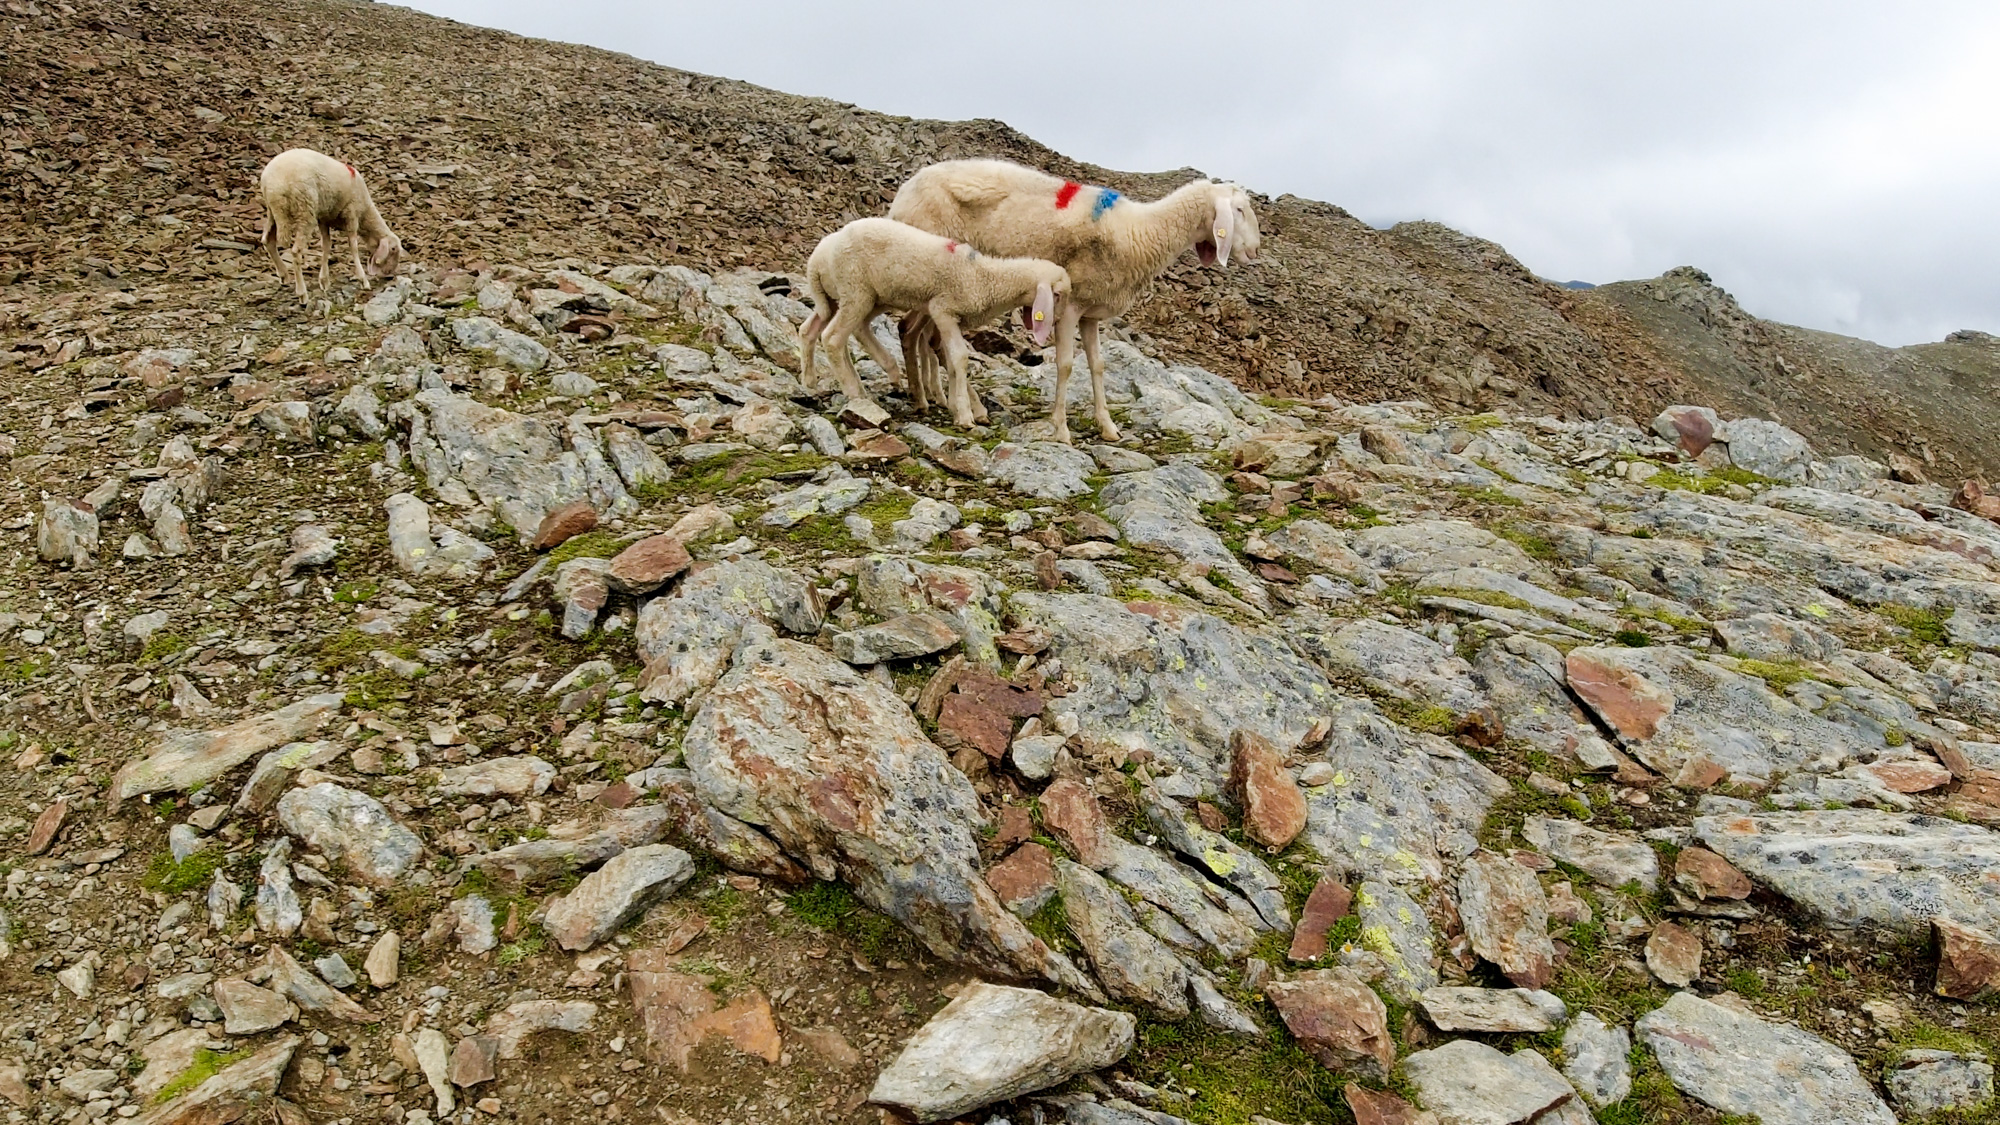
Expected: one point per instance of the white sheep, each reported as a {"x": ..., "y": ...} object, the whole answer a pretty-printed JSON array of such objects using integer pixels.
[
  {"x": 877, "y": 265},
  {"x": 310, "y": 192},
  {"x": 1113, "y": 247}
]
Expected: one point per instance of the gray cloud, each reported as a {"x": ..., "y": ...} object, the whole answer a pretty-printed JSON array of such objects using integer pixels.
[{"x": 1834, "y": 164}]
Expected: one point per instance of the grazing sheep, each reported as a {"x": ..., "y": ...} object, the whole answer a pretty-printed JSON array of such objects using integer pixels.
[
  {"x": 871, "y": 266},
  {"x": 310, "y": 192},
  {"x": 1113, "y": 247}
]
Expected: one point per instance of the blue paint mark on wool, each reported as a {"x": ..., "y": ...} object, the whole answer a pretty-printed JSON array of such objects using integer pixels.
[{"x": 1105, "y": 198}]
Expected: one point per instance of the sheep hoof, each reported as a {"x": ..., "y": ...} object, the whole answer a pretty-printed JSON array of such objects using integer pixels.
[{"x": 1109, "y": 431}]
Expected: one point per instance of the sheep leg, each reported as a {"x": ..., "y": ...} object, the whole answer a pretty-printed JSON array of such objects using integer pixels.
[
  {"x": 1065, "y": 359},
  {"x": 846, "y": 319},
  {"x": 920, "y": 354},
  {"x": 325, "y": 259},
  {"x": 1096, "y": 361},
  {"x": 354, "y": 247},
  {"x": 877, "y": 351},
  {"x": 809, "y": 334},
  {"x": 958, "y": 355},
  {"x": 915, "y": 375},
  {"x": 298, "y": 240}
]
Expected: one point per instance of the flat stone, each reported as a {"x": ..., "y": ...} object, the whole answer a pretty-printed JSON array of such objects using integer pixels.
[
  {"x": 433, "y": 1052},
  {"x": 1338, "y": 1019},
  {"x": 1740, "y": 1064},
  {"x": 1610, "y": 858},
  {"x": 607, "y": 898},
  {"x": 1627, "y": 701},
  {"x": 1673, "y": 953},
  {"x": 1380, "y": 1107},
  {"x": 474, "y": 1060},
  {"x": 166, "y": 1057},
  {"x": 1506, "y": 918},
  {"x": 981, "y": 710},
  {"x": 1328, "y": 903},
  {"x": 353, "y": 828},
  {"x": 1044, "y": 470},
  {"x": 1071, "y": 812},
  {"x": 1968, "y": 961},
  {"x": 522, "y": 775},
  {"x": 1930, "y": 1081},
  {"x": 334, "y": 970},
  {"x": 1706, "y": 876},
  {"x": 233, "y": 1093},
  {"x": 511, "y": 1026},
  {"x": 50, "y": 822},
  {"x": 1597, "y": 1060},
  {"x": 190, "y": 761},
  {"x": 1395, "y": 928},
  {"x": 1132, "y": 964},
  {"x": 1274, "y": 811},
  {"x": 1232, "y": 863},
  {"x": 1025, "y": 880},
  {"x": 686, "y": 638},
  {"x": 900, "y": 638},
  {"x": 992, "y": 1043},
  {"x": 565, "y": 523},
  {"x": 248, "y": 1010},
  {"x": 1691, "y": 428},
  {"x": 1493, "y": 1009},
  {"x": 1466, "y": 1082},
  {"x": 645, "y": 566},
  {"x": 1866, "y": 867}
]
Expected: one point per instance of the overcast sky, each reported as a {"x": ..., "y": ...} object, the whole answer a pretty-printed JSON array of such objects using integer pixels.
[{"x": 1833, "y": 164}]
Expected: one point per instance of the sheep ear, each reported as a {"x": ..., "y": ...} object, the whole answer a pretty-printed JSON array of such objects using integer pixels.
[
  {"x": 1225, "y": 227},
  {"x": 1043, "y": 313}
]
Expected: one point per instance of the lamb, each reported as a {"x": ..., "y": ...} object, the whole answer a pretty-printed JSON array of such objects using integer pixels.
[
  {"x": 879, "y": 265},
  {"x": 306, "y": 191},
  {"x": 1112, "y": 247}
]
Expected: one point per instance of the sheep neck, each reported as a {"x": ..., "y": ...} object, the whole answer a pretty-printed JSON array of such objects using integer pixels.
[{"x": 1139, "y": 240}]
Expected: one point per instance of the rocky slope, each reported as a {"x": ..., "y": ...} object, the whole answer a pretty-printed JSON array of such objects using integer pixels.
[
  {"x": 509, "y": 693},
  {"x": 132, "y": 147},
  {"x": 519, "y": 697}
]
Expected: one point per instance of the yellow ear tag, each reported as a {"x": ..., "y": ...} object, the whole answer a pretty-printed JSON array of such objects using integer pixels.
[
  {"x": 1220, "y": 233},
  {"x": 1039, "y": 316}
]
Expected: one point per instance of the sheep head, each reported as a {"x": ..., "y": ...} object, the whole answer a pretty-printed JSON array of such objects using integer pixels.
[
  {"x": 1234, "y": 229},
  {"x": 388, "y": 255},
  {"x": 1039, "y": 317}
]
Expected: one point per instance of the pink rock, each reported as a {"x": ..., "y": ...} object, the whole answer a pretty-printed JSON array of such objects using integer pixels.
[
  {"x": 1705, "y": 875},
  {"x": 1025, "y": 880},
  {"x": 1274, "y": 811},
  {"x": 645, "y": 566},
  {"x": 1338, "y": 1019},
  {"x": 1327, "y": 904},
  {"x": 1628, "y": 701},
  {"x": 565, "y": 523},
  {"x": 1071, "y": 812},
  {"x": 1673, "y": 953}
]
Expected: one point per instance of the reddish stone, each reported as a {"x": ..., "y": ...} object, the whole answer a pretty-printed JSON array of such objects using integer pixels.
[
  {"x": 981, "y": 712},
  {"x": 1338, "y": 1019},
  {"x": 646, "y": 565},
  {"x": 1380, "y": 1107},
  {"x": 1910, "y": 776},
  {"x": 1673, "y": 953},
  {"x": 1696, "y": 431},
  {"x": 1565, "y": 908},
  {"x": 1022, "y": 641},
  {"x": 1070, "y": 811},
  {"x": 690, "y": 928},
  {"x": 46, "y": 826},
  {"x": 1968, "y": 961},
  {"x": 1015, "y": 826},
  {"x": 473, "y": 1060},
  {"x": 1632, "y": 704},
  {"x": 1699, "y": 772},
  {"x": 970, "y": 462},
  {"x": 618, "y": 795},
  {"x": 1482, "y": 727},
  {"x": 864, "y": 413},
  {"x": 565, "y": 523},
  {"x": 962, "y": 538},
  {"x": 1274, "y": 811},
  {"x": 1972, "y": 497},
  {"x": 1211, "y": 818},
  {"x": 1326, "y": 905},
  {"x": 1949, "y": 755},
  {"x": 1272, "y": 572},
  {"x": 1025, "y": 880},
  {"x": 1705, "y": 875},
  {"x": 1979, "y": 798},
  {"x": 877, "y": 446},
  {"x": 1047, "y": 576},
  {"x": 677, "y": 1011}
]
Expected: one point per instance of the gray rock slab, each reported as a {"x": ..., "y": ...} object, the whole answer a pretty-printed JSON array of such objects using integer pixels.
[
  {"x": 994, "y": 1042},
  {"x": 1928, "y": 1081},
  {"x": 1132, "y": 964},
  {"x": 353, "y": 828},
  {"x": 1454, "y": 1008},
  {"x": 1466, "y": 1082},
  {"x": 1740, "y": 1064},
  {"x": 1596, "y": 1060},
  {"x": 1864, "y": 866},
  {"x": 611, "y": 895},
  {"x": 1611, "y": 858}
]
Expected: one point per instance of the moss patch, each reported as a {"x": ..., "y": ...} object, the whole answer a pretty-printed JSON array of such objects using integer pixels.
[
  {"x": 1236, "y": 1080},
  {"x": 206, "y": 1065},
  {"x": 178, "y": 878}
]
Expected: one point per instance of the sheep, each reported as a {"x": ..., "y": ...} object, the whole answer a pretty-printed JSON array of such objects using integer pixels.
[
  {"x": 1112, "y": 246},
  {"x": 879, "y": 265},
  {"x": 306, "y": 191}
]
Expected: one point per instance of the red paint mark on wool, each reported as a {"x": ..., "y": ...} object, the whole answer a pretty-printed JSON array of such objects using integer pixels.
[
  {"x": 1066, "y": 193},
  {"x": 951, "y": 247},
  {"x": 351, "y": 171}
]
